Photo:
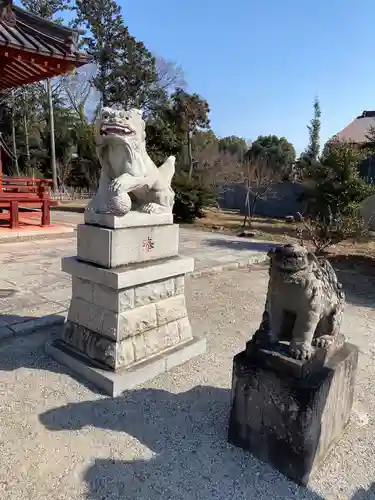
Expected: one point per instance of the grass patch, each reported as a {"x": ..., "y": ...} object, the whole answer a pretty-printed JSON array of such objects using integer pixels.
[
  {"x": 231, "y": 221},
  {"x": 348, "y": 253}
]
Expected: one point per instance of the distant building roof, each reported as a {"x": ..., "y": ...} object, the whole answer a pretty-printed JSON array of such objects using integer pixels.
[
  {"x": 358, "y": 130},
  {"x": 32, "y": 48}
]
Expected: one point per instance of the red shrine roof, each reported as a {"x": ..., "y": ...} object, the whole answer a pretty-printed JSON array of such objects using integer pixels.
[{"x": 33, "y": 49}]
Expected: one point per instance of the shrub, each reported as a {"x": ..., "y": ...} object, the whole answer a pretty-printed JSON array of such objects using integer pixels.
[
  {"x": 191, "y": 197},
  {"x": 334, "y": 196},
  {"x": 327, "y": 229}
]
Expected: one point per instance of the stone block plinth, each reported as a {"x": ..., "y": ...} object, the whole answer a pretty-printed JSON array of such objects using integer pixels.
[
  {"x": 287, "y": 414},
  {"x": 127, "y": 320},
  {"x": 126, "y": 245},
  {"x": 132, "y": 219}
]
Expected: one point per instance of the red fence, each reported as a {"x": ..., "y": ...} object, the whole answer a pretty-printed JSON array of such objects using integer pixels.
[{"x": 26, "y": 192}]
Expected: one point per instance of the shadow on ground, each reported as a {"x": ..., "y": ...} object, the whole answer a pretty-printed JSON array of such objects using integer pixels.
[
  {"x": 187, "y": 435},
  {"x": 357, "y": 274},
  {"x": 241, "y": 244},
  {"x": 363, "y": 494},
  {"x": 73, "y": 209},
  {"x": 28, "y": 351},
  {"x": 22, "y": 325}
]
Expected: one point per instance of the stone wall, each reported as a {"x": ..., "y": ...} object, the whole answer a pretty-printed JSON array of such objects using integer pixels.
[
  {"x": 367, "y": 169},
  {"x": 281, "y": 201}
]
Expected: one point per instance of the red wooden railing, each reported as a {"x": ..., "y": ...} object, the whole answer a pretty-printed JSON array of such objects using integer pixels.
[
  {"x": 27, "y": 192},
  {"x": 26, "y": 185}
]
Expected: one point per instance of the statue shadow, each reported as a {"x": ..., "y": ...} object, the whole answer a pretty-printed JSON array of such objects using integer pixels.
[
  {"x": 363, "y": 494},
  {"x": 187, "y": 435}
]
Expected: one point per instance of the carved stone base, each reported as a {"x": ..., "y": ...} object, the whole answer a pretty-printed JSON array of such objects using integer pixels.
[
  {"x": 119, "y": 318},
  {"x": 288, "y": 416},
  {"x": 116, "y": 355},
  {"x": 114, "y": 383}
]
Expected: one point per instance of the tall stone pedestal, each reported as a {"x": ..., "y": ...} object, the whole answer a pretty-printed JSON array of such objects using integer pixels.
[
  {"x": 127, "y": 320},
  {"x": 289, "y": 413}
]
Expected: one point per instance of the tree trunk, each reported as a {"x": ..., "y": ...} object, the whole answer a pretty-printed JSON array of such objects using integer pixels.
[
  {"x": 190, "y": 155},
  {"x": 247, "y": 210},
  {"x": 52, "y": 135},
  {"x": 252, "y": 207}
]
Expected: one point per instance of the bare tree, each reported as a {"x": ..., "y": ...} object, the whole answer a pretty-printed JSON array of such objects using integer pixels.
[
  {"x": 170, "y": 75},
  {"x": 217, "y": 169},
  {"x": 77, "y": 89},
  {"x": 64, "y": 170},
  {"x": 260, "y": 179}
]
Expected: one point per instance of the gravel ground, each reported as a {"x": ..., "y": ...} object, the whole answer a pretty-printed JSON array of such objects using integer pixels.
[{"x": 60, "y": 440}]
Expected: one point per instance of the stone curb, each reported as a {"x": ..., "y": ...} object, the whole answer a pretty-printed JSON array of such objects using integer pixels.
[
  {"x": 38, "y": 237},
  {"x": 239, "y": 264},
  {"x": 19, "y": 329}
]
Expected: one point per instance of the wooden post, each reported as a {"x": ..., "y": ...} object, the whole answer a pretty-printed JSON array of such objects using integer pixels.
[
  {"x": 46, "y": 219},
  {"x": 14, "y": 220}
]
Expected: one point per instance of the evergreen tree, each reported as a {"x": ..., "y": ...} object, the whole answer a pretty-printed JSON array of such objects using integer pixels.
[
  {"x": 190, "y": 114},
  {"x": 309, "y": 160},
  {"x": 47, "y": 9},
  {"x": 313, "y": 149},
  {"x": 276, "y": 151},
  {"x": 126, "y": 70}
]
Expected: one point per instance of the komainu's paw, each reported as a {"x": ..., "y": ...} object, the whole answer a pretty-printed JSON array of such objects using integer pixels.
[
  {"x": 300, "y": 350},
  {"x": 115, "y": 186},
  {"x": 95, "y": 207},
  {"x": 153, "y": 208},
  {"x": 323, "y": 341}
]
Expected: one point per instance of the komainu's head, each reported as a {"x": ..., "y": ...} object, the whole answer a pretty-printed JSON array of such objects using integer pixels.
[
  {"x": 291, "y": 258},
  {"x": 116, "y": 125}
]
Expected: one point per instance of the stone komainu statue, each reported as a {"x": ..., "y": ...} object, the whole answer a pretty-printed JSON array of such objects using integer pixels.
[
  {"x": 127, "y": 167},
  {"x": 304, "y": 303}
]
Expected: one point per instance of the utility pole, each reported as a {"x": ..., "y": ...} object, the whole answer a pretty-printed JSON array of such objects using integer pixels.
[
  {"x": 1, "y": 166},
  {"x": 52, "y": 132},
  {"x": 26, "y": 131},
  {"x": 14, "y": 145}
]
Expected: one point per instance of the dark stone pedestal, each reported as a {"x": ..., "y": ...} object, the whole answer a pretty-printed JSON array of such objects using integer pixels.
[{"x": 289, "y": 413}]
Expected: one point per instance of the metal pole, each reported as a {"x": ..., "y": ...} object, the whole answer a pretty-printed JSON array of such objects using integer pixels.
[
  {"x": 26, "y": 132},
  {"x": 14, "y": 145},
  {"x": 1, "y": 167},
  {"x": 52, "y": 131}
]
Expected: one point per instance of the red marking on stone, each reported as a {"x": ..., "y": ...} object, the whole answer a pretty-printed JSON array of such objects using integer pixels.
[{"x": 148, "y": 244}]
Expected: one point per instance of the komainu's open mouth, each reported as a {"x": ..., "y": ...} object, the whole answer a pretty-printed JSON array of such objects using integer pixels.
[{"x": 116, "y": 129}]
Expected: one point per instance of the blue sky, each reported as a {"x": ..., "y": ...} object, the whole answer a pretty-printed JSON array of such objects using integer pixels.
[{"x": 261, "y": 63}]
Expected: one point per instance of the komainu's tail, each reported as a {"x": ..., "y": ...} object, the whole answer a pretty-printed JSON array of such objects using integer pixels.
[{"x": 167, "y": 169}]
